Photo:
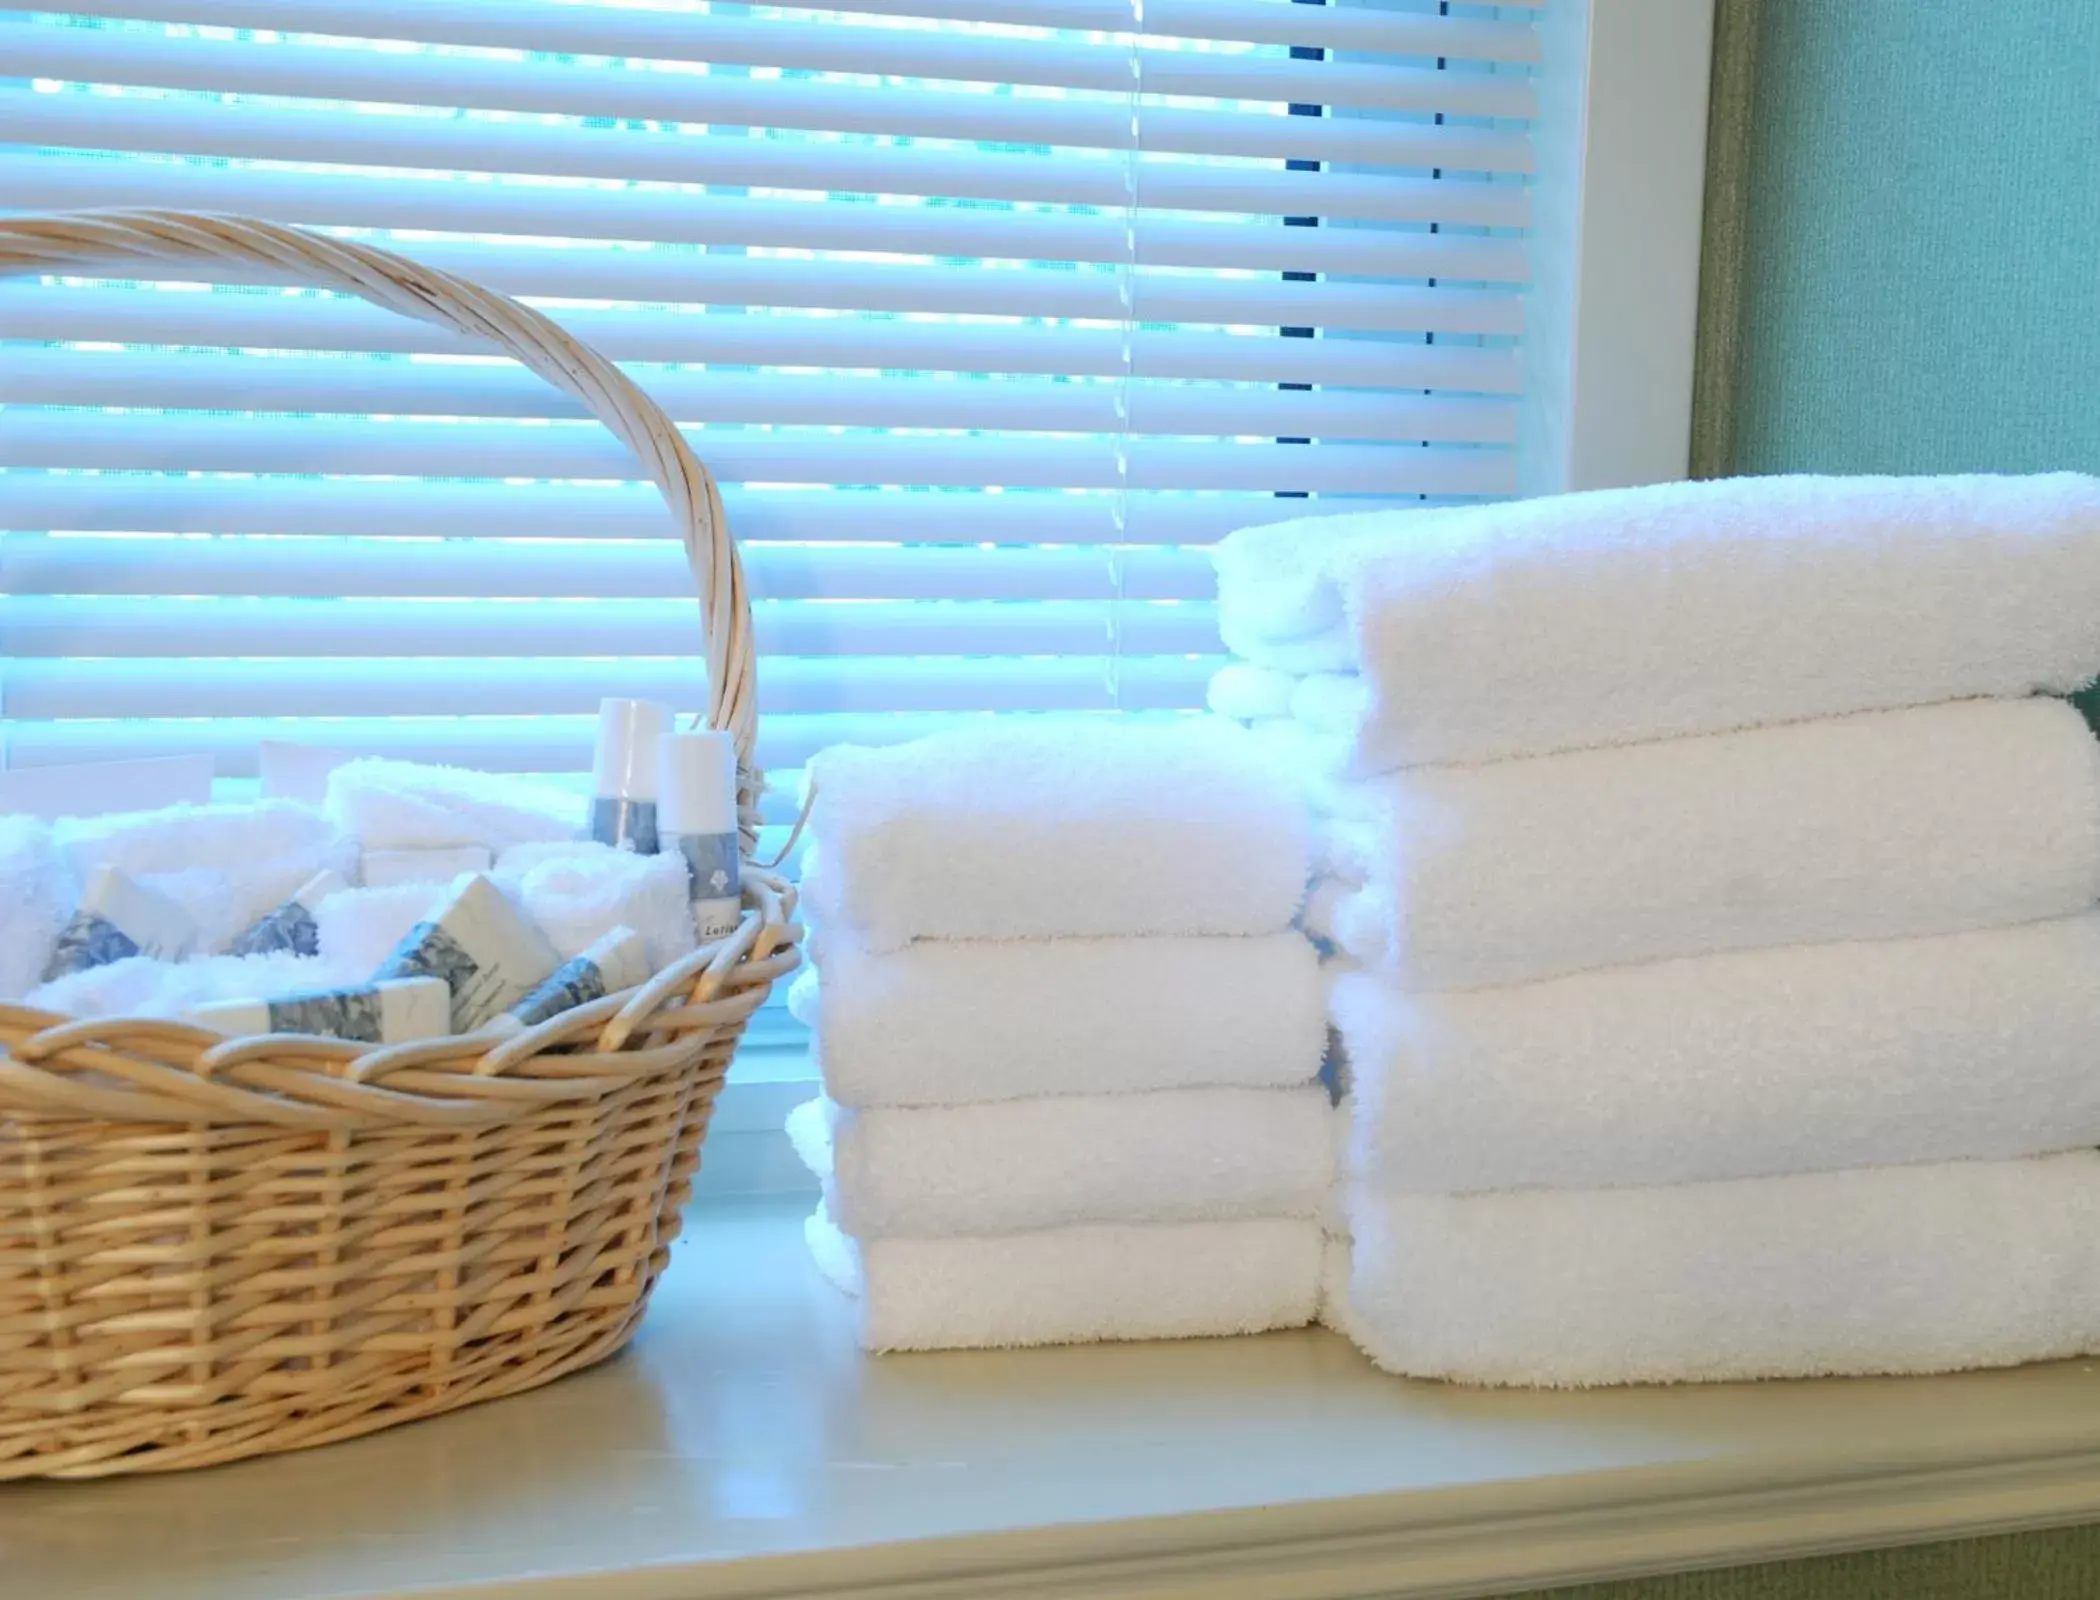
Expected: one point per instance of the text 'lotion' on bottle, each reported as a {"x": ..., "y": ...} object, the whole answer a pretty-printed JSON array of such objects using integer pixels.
[
  {"x": 624, "y": 769},
  {"x": 696, "y": 816}
]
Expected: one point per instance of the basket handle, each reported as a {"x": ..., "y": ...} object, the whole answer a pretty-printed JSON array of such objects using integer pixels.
[{"x": 56, "y": 242}]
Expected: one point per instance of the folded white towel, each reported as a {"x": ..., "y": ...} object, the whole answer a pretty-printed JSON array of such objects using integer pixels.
[
  {"x": 1247, "y": 693},
  {"x": 580, "y": 891},
  {"x": 224, "y": 865},
  {"x": 952, "y": 1022},
  {"x": 141, "y": 986},
  {"x": 394, "y": 805},
  {"x": 1075, "y": 1285},
  {"x": 1278, "y": 601},
  {"x": 1680, "y": 608},
  {"x": 1181, "y": 1155},
  {"x": 361, "y": 927},
  {"x": 37, "y": 892},
  {"x": 1813, "y": 1057},
  {"x": 1935, "y": 820},
  {"x": 1037, "y": 830},
  {"x": 1882, "y": 1270}
]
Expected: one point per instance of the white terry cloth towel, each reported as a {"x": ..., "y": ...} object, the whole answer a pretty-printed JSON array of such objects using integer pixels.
[
  {"x": 1867, "y": 1271},
  {"x": 407, "y": 805},
  {"x": 36, "y": 896},
  {"x": 1682, "y": 608},
  {"x": 1760, "y": 1062},
  {"x": 224, "y": 864},
  {"x": 1075, "y": 1285},
  {"x": 1938, "y": 819},
  {"x": 1249, "y": 694},
  {"x": 953, "y": 1022},
  {"x": 1026, "y": 830},
  {"x": 1180, "y": 1155},
  {"x": 1279, "y": 602}
]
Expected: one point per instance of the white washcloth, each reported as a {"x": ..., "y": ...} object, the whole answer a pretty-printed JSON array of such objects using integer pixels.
[
  {"x": 395, "y": 805},
  {"x": 36, "y": 896},
  {"x": 141, "y": 986},
  {"x": 361, "y": 927},
  {"x": 223, "y": 864},
  {"x": 1027, "y": 830},
  {"x": 1181, "y": 1155},
  {"x": 951, "y": 1022},
  {"x": 1075, "y": 1285},
  {"x": 1940, "y": 819},
  {"x": 1813, "y": 1057},
  {"x": 579, "y": 892},
  {"x": 1880, "y": 1270},
  {"x": 1682, "y": 608}
]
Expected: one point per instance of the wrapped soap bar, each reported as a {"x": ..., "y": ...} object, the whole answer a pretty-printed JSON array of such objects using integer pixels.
[
  {"x": 488, "y": 953},
  {"x": 291, "y": 927},
  {"x": 393, "y": 1011},
  {"x": 624, "y": 774},
  {"x": 118, "y": 917},
  {"x": 618, "y": 961},
  {"x": 696, "y": 800}
]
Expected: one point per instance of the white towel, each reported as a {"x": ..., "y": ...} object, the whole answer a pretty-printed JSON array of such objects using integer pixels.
[
  {"x": 1935, "y": 820},
  {"x": 1968, "y": 1046},
  {"x": 578, "y": 892},
  {"x": 1250, "y": 694},
  {"x": 1075, "y": 1285},
  {"x": 223, "y": 864},
  {"x": 1278, "y": 601},
  {"x": 361, "y": 927},
  {"x": 1181, "y": 1155},
  {"x": 37, "y": 892},
  {"x": 396, "y": 805},
  {"x": 1883, "y": 1270},
  {"x": 1682, "y": 608},
  {"x": 140, "y": 986},
  {"x": 951, "y": 1022},
  {"x": 1019, "y": 830}
]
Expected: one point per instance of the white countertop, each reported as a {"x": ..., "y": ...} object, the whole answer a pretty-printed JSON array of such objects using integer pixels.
[{"x": 743, "y": 1447}]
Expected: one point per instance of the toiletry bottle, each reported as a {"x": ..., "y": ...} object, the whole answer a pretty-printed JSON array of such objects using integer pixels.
[
  {"x": 118, "y": 917},
  {"x": 696, "y": 812},
  {"x": 395, "y": 1011},
  {"x": 624, "y": 773},
  {"x": 488, "y": 952},
  {"x": 291, "y": 927},
  {"x": 619, "y": 960}
]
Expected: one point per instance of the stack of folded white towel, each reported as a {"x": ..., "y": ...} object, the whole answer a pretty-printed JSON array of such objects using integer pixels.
[
  {"x": 1719, "y": 898},
  {"x": 1067, "y": 1037}
]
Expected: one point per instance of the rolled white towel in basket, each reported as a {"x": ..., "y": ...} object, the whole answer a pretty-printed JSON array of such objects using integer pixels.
[
  {"x": 409, "y": 805},
  {"x": 1760, "y": 1062},
  {"x": 952, "y": 1022},
  {"x": 36, "y": 896},
  {"x": 1890, "y": 824},
  {"x": 1027, "y": 830},
  {"x": 1074, "y": 1285},
  {"x": 1877, "y": 1270},
  {"x": 225, "y": 865},
  {"x": 1180, "y": 1155},
  {"x": 1681, "y": 608}
]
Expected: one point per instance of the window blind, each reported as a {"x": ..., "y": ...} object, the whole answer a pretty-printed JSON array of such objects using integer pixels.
[{"x": 988, "y": 314}]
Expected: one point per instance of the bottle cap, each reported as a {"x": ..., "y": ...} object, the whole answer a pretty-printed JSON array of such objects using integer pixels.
[
  {"x": 624, "y": 764},
  {"x": 696, "y": 789}
]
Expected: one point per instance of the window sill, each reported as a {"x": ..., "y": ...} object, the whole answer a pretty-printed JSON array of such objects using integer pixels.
[{"x": 743, "y": 1447}]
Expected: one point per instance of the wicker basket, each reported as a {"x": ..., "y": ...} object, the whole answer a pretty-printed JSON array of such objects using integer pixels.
[{"x": 218, "y": 1248}]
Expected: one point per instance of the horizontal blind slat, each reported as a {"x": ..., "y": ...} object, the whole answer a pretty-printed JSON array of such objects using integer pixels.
[
  {"x": 202, "y": 382},
  {"x": 295, "y": 322},
  {"x": 496, "y": 744},
  {"x": 250, "y": 131},
  {"x": 506, "y": 567},
  {"x": 131, "y": 626},
  {"x": 416, "y": 509},
  {"x": 509, "y": 686},
  {"x": 196, "y": 441},
  {"x": 716, "y": 101},
  {"x": 576, "y": 210},
  {"x": 914, "y": 53}
]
